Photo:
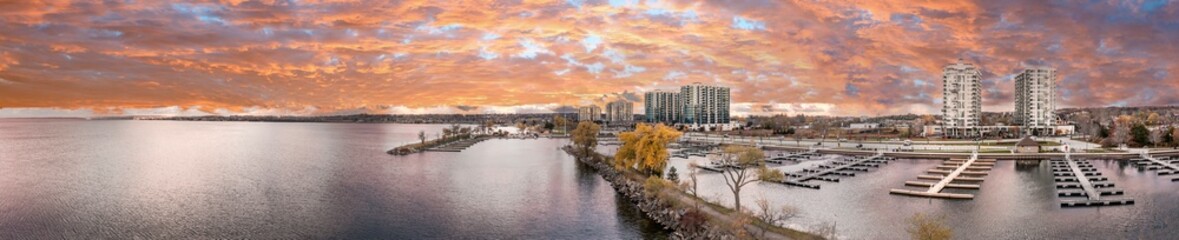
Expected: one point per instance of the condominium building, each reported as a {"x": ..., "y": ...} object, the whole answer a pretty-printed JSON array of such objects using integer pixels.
[
  {"x": 620, "y": 112},
  {"x": 962, "y": 100},
  {"x": 1035, "y": 101},
  {"x": 661, "y": 107},
  {"x": 589, "y": 113},
  {"x": 704, "y": 104}
]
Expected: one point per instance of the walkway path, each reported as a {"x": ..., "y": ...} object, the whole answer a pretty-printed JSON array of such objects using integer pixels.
[{"x": 1085, "y": 184}]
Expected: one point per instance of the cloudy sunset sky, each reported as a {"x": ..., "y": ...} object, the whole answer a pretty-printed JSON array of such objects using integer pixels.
[{"x": 62, "y": 58}]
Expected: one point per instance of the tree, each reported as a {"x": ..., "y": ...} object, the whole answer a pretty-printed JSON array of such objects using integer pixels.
[
  {"x": 488, "y": 126},
  {"x": 820, "y": 126},
  {"x": 1121, "y": 130},
  {"x": 693, "y": 168},
  {"x": 922, "y": 227},
  {"x": 797, "y": 138},
  {"x": 736, "y": 162},
  {"x": 772, "y": 216},
  {"x": 1140, "y": 134},
  {"x": 561, "y": 123},
  {"x": 827, "y": 230},
  {"x": 770, "y": 174},
  {"x": 1171, "y": 135},
  {"x": 455, "y": 129},
  {"x": 522, "y": 127},
  {"x": 585, "y": 137},
  {"x": 1156, "y": 136},
  {"x": 422, "y": 136},
  {"x": 645, "y": 148},
  {"x": 673, "y": 176},
  {"x": 1152, "y": 119}
]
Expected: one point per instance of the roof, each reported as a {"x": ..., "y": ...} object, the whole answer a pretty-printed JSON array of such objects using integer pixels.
[{"x": 1027, "y": 142}]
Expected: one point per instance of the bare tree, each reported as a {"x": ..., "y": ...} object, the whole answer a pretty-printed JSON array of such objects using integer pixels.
[
  {"x": 737, "y": 163},
  {"x": 772, "y": 216},
  {"x": 693, "y": 168},
  {"x": 827, "y": 230}
]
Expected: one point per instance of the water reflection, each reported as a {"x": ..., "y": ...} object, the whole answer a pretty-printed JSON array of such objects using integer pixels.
[{"x": 168, "y": 180}]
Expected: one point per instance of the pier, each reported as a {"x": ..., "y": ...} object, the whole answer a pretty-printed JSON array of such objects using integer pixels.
[
  {"x": 836, "y": 167},
  {"x": 794, "y": 157},
  {"x": 1163, "y": 165},
  {"x": 961, "y": 170},
  {"x": 457, "y": 146},
  {"x": 1072, "y": 175}
]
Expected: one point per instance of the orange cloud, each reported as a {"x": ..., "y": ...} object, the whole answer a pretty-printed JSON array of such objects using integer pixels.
[{"x": 852, "y": 58}]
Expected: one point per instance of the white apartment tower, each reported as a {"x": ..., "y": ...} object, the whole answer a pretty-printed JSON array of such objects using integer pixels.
[
  {"x": 962, "y": 100},
  {"x": 704, "y": 104},
  {"x": 620, "y": 112},
  {"x": 589, "y": 113},
  {"x": 662, "y": 107},
  {"x": 1035, "y": 101}
]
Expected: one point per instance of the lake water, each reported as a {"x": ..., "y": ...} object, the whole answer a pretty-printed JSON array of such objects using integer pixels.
[{"x": 166, "y": 180}]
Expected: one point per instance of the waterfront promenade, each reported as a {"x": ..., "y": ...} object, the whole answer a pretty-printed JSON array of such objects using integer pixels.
[{"x": 895, "y": 149}]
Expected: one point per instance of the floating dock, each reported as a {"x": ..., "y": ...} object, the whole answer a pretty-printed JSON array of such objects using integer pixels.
[
  {"x": 1078, "y": 178},
  {"x": 793, "y": 157},
  {"x": 826, "y": 172},
  {"x": 1162, "y": 165},
  {"x": 961, "y": 170}
]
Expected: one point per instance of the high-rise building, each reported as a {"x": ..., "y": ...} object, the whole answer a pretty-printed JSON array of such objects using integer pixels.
[
  {"x": 661, "y": 107},
  {"x": 589, "y": 113},
  {"x": 962, "y": 100},
  {"x": 1035, "y": 101},
  {"x": 704, "y": 104},
  {"x": 620, "y": 112}
]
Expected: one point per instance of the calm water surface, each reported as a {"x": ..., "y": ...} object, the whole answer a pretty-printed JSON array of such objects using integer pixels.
[{"x": 167, "y": 180}]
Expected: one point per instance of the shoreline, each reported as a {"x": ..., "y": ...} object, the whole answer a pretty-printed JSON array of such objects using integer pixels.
[{"x": 671, "y": 217}]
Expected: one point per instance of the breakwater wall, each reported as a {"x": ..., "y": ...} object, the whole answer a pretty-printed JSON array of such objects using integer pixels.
[{"x": 670, "y": 217}]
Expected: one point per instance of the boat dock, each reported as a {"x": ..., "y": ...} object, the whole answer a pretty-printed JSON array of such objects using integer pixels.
[
  {"x": 967, "y": 172},
  {"x": 1072, "y": 175},
  {"x": 826, "y": 172},
  {"x": 782, "y": 158},
  {"x": 1163, "y": 165}
]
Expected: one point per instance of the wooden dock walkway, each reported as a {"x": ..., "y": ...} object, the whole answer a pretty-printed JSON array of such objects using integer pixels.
[
  {"x": 837, "y": 167},
  {"x": 977, "y": 168},
  {"x": 796, "y": 157},
  {"x": 1073, "y": 174},
  {"x": 1164, "y": 166}
]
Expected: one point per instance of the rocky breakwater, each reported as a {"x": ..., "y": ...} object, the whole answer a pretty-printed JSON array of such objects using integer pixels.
[{"x": 684, "y": 220}]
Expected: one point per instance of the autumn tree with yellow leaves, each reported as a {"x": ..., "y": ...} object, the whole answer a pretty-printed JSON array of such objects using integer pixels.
[{"x": 645, "y": 148}]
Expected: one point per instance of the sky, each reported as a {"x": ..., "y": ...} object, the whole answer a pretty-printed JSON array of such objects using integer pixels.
[{"x": 299, "y": 57}]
